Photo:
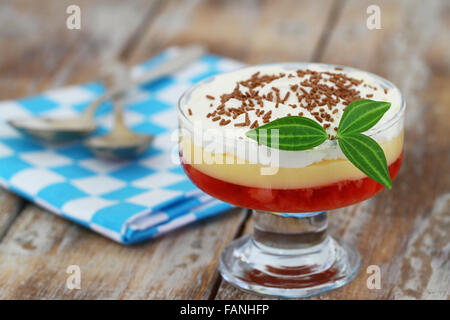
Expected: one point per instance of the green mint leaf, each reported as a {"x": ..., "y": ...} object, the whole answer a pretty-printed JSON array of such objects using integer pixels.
[
  {"x": 361, "y": 115},
  {"x": 367, "y": 156},
  {"x": 294, "y": 133}
]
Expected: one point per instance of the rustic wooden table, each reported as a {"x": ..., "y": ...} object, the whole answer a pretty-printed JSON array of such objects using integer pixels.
[{"x": 405, "y": 231}]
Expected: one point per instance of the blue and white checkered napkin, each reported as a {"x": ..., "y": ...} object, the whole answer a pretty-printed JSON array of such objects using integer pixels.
[{"x": 128, "y": 201}]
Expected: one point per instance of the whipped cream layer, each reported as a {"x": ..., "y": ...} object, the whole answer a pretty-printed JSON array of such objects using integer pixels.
[{"x": 283, "y": 90}]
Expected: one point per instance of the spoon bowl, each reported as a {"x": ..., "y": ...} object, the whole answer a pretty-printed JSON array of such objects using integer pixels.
[
  {"x": 119, "y": 146},
  {"x": 55, "y": 130},
  {"x": 120, "y": 142}
]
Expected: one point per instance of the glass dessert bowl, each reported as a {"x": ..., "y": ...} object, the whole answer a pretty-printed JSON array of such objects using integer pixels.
[{"x": 290, "y": 253}]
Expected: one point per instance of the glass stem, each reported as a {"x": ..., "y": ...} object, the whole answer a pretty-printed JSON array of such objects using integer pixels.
[
  {"x": 289, "y": 255},
  {"x": 289, "y": 231}
]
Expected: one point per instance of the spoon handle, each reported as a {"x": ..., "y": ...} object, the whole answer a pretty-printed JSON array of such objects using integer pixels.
[{"x": 186, "y": 56}]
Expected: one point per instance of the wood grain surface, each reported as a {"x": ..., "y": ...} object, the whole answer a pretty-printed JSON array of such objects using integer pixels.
[{"x": 404, "y": 231}]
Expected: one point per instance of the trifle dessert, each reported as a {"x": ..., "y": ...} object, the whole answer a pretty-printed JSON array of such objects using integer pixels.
[{"x": 288, "y": 189}]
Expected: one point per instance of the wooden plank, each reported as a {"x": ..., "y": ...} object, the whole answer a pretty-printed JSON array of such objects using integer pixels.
[
  {"x": 18, "y": 60},
  {"x": 39, "y": 52},
  {"x": 403, "y": 231},
  {"x": 38, "y": 248},
  {"x": 250, "y": 31},
  {"x": 270, "y": 31},
  {"x": 179, "y": 265},
  {"x": 10, "y": 207},
  {"x": 99, "y": 284},
  {"x": 10, "y": 204},
  {"x": 401, "y": 222}
]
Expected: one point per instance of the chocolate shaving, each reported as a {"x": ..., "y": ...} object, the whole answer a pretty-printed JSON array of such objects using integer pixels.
[{"x": 317, "y": 92}]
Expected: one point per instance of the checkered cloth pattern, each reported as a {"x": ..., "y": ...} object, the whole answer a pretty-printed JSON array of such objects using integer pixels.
[{"x": 127, "y": 201}]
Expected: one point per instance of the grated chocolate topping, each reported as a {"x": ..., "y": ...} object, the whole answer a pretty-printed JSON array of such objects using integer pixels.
[{"x": 318, "y": 92}]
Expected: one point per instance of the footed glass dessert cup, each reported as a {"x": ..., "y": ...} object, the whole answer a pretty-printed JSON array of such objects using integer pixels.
[{"x": 290, "y": 254}]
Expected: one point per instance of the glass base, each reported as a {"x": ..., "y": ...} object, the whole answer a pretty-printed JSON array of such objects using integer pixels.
[{"x": 289, "y": 257}]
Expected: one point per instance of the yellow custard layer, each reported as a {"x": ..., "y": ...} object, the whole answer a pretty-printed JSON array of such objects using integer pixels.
[{"x": 317, "y": 174}]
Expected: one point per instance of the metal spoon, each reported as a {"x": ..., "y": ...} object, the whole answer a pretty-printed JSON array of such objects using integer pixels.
[
  {"x": 60, "y": 130},
  {"x": 120, "y": 142}
]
